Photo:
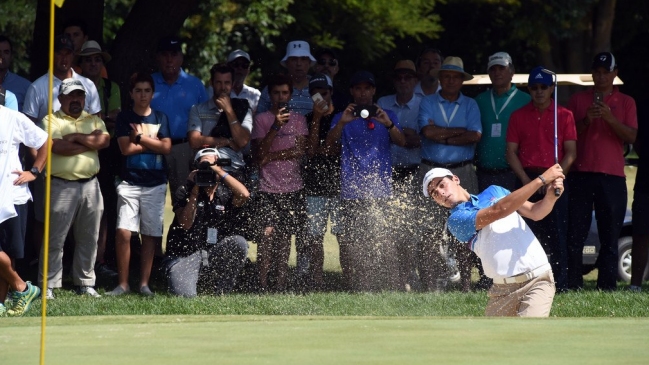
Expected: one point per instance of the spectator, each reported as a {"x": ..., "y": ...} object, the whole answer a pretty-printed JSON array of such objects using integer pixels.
[
  {"x": 640, "y": 246},
  {"x": 176, "y": 92},
  {"x": 530, "y": 151},
  {"x": 328, "y": 63},
  {"x": 606, "y": 119},
  {"x": 76, "y": 137},
  {"x": 366, "y": 179},
  {"x": 222, "y": 122},
  {"x": 9, "y": 80},
  {"x": 77, "y": 30},
  {"x": 7, "y": 98},
  {"x": 298, "y": 60},
  {"x": 450, "y": 128},
  {"x": 92, "y": 60},
  {"x": 278, "y": 144},
  {"x": 143, "y": 137},
  {"x": 496, "y": 106},
  {"x": 16, "y": 129},
  {"x": 240, "y": 61},
  {"x": 405, "y": 163},
  {"x": 491, "y": 225},
  {"x": 321, "y": 181},
  {"x": 429, "y": 60},
  {"x": 202, "y": 250}
]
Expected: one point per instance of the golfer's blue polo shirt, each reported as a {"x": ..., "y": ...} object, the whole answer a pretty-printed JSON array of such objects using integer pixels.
[{"x": 461, "y": 223}]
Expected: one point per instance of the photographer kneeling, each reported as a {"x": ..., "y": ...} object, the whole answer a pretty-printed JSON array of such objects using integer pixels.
[{"x": 201, "y": 249}]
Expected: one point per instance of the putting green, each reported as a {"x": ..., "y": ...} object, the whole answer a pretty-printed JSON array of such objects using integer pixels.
[{"x": 184, "y": 340}]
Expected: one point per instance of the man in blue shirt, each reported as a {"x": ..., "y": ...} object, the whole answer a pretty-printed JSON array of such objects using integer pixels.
[
  {"x": 450, "y": 128},
  {"x": 490, "y": 224},
  {"x": 364, "y": 133},
  {"x": 9, "y": 80},
  {"x": 175, "y": 93}
]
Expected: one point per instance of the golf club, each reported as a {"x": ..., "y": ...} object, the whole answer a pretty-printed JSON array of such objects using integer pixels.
[{"x": 557, "y": 192}]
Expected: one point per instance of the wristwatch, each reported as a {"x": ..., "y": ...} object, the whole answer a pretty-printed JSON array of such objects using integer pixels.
[
  {"x": 34, "y": 171},
  {"x": 138, "y": 138}
]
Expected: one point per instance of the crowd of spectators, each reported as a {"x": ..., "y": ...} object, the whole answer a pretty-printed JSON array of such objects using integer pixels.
[{"x": 292, "y": 160}]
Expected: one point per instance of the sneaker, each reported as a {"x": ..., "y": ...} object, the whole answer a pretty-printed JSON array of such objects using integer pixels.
[
  {"x": 3, "y": 310},
  {"x": 105, "y": 271},
  {"x": 49, "y": 294},
  {"x": 21, "y": 301},
  {"x": 146, "y": 291},
  {"x": 88, "y": 290},
  {"x": 635, "y": 288},
  {"x": 118, "y": 291}
]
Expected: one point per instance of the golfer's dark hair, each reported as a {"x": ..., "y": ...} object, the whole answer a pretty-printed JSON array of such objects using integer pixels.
[
  {"x": 140, "y": 77},
  {"x": 4, "y": 38},
  {"x": 278, "y": 80},
  {"x": 221, "y": 68},
  {"x": 76, "y": 22}
]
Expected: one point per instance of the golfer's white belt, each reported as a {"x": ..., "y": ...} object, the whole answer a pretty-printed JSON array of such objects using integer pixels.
[{"x": 526, "y": 276}]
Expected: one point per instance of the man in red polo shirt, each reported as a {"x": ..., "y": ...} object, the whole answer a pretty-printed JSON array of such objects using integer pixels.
[
  {"x": 530, "y": 152},
  {"x": 606, "y": 119}
]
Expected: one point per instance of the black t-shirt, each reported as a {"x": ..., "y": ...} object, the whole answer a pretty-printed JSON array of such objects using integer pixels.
[
  {"x": 217, "y": 214},
  {"x": 321, "y": 174}
]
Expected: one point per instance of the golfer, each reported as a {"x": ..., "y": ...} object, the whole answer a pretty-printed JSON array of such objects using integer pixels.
[{"x": 491, "y": 225}]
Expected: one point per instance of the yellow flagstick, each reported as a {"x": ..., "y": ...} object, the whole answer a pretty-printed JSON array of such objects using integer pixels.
[{"x": 46, "y": 235}]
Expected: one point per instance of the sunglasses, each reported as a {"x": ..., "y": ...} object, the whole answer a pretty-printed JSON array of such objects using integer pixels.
[
  {"x": 243, "y": 65},
  {"x": 538, "y": 87},
  {"x": 403, "y": 77},
  {"x": 324, "y": 61}
]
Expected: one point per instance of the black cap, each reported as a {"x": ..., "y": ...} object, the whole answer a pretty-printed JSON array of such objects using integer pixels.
[
  {"x": 606, "y": 60},
  {"x": 320, "y": 81},
  {"x": 362, "y": 76},
  {"x": 171, "y": 43},
  {"x": 63, "y": 41},
  {"x": 324, "y": 51}
]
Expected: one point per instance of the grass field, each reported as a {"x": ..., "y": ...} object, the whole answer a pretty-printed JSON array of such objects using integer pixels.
[{"x": 325, "y": 340}]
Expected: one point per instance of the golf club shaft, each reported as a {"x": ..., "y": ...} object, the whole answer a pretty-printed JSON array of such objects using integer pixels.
[{"x": 557, "y": 191}]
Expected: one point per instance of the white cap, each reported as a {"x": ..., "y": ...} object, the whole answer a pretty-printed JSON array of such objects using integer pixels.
[
  {"x": 433, "y": 173},
  {"x": 297, "y": 49},
  {"x": 206, "y": 152},
  {"x": 238, "y": 53},
  {"x": 499, "y": 58},
  {"x": 69, "y": 85}
]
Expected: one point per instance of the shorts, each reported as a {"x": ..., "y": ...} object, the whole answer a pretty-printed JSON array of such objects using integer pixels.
[
  {"x": 284, "y": 212},
  {"x": 640, "y": 210},
  {"x": 318, "y": 210},
  {"x": 141, "y": 208},
  {"x": 12, "y": 233}
]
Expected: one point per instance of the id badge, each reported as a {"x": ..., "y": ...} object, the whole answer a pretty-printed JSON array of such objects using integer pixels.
[
  {"x": 496, "y": 130},
  {"x": 211, "y": 236}
]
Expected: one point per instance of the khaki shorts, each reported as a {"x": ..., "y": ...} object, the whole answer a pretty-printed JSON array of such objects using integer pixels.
[{"x": 141, "y": 208}]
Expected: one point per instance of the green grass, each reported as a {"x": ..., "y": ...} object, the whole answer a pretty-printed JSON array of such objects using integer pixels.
[{"x": 325, "y": 340}]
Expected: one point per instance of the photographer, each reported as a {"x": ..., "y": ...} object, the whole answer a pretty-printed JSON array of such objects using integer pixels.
[{"x": 201, "y": 249}]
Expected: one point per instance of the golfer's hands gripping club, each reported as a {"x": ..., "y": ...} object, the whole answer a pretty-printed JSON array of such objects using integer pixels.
[{"x": 554, "y": 176}]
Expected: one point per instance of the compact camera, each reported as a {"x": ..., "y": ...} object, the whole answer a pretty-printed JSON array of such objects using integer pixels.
[{"x": 364, "y": 111}]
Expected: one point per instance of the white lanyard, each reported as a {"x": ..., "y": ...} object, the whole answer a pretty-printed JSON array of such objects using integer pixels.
[
  {"x": 446, "y": 120},
  {"x": 493, "y": 103}
]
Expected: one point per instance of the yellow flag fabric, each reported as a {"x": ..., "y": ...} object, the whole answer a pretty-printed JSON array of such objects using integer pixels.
[{"x": 59, "y": 3}]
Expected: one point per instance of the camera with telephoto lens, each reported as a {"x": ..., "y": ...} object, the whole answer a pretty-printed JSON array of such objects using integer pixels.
[{"x": 205, "y": 176}]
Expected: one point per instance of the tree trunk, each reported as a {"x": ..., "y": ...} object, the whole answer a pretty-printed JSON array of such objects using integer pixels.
[
  {"x": 603, "y": 26},
  {"x": 135, "y": 43},
  {"x": 91, "y": 11}
]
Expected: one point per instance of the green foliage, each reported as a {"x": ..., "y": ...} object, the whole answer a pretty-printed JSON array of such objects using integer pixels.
[
  {"x": 115, "y": 12},
  {"x": 370, "y": 27},
  {"x": 17, "y": 23}
]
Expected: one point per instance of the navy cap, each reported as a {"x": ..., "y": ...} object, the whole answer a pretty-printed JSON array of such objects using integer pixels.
[
  {"x": 361, "y": 77},
  {"x": 63, "y": 41},
  {"x": 171, "y": 43},
  {"x": 538, "y": 76},
  {"x": 320, "y": 81}
]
